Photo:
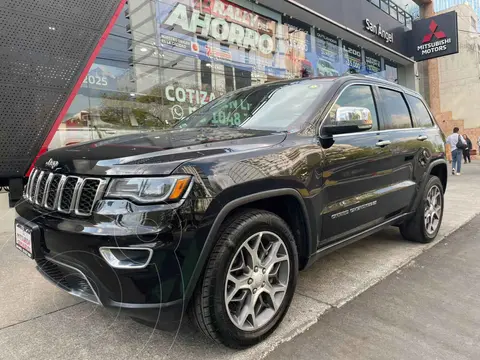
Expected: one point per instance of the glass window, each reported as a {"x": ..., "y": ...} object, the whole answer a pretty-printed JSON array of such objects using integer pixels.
[
  {"x": 397, "y": 115},
  {"x": 296, "y": 47},
  {"x": 206, "y": 74},
  {"x": 171, "y": 62},
  {"x": 421, "y": 113},
  {"x": 391, "y": 72},
  {"x": 375, "y": 2},
  {"x": 229, "y": 84},
  {"x": 401, "y": 16},
  {"x": 357, "y": 96},
  {"x": 275, "y": 106},
  {"x": 384, "y": 5},
  {"x": 393, "y": 10},
  {"x": 243, "y": 78},
  {"x": 408, "y": 21}
]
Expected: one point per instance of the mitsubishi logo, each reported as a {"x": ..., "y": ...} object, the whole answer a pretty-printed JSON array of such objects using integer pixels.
[
  {"x": 429, "y": 40},
  {"x": 433, "y": 32},
  {"x": 52, "y": 164}
]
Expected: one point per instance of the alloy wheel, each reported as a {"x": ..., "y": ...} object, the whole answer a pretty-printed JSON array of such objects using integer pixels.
[
  {"x": 257, "y": 281},
  {"x": 433, "y": 209}
]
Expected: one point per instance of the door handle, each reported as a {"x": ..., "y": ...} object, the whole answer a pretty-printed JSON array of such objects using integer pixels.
[
  {"x": 383, "y": 143},
  {"x": 422, "y": 137}
]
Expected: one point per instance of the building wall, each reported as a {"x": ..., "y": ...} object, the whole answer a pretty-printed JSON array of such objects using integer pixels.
[
  {"x": 409, "y": 6},
  {"x": 351, "y": 13},
  {"x": 442, "y": 5},
  {"x": 459, "y": 74}
]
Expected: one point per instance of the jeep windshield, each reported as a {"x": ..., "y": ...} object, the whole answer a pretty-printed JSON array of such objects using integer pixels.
[{"x": 281, "y": 106}]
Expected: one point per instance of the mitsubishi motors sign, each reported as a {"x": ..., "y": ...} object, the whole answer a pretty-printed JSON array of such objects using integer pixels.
[{"x": 434, "y": 37}]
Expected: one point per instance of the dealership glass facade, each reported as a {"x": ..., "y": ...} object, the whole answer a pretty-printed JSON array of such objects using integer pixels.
[
  {"x": 165, "y": 59},
  {"x": 405, "y": 11}
]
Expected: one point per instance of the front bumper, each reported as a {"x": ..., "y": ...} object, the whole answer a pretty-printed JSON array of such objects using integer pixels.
[
  {"x": 66, "y": 251},
  {"x": 76, "y": 283}
]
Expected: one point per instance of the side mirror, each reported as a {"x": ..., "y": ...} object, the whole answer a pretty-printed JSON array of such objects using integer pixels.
[{"x": 349, "y": 119}]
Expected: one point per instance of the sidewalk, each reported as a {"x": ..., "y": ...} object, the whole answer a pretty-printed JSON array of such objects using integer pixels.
[{"x": 429, "y": 309}]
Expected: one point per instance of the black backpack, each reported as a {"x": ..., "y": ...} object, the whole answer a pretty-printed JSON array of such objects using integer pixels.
[{"x": 460, "y": 145}]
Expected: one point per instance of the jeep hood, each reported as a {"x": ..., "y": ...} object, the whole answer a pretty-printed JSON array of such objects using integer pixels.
[{"x": 153, "y": 153}]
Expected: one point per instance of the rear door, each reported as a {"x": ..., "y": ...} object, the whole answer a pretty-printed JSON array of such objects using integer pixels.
[
  {"x": 398, "y": 130},
  {"x": 428, "y": 136}
]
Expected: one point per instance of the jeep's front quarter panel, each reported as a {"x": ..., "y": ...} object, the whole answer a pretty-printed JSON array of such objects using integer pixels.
[{"x": 227, "y": 182}]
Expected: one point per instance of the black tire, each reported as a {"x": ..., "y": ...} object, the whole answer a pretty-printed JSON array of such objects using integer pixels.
[
  {"x": 208, "y": 309},
  {"x": 414, "y": 229}
]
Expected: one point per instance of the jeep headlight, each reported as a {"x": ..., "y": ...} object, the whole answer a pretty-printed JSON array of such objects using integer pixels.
[{"x": 149, "y": 190}]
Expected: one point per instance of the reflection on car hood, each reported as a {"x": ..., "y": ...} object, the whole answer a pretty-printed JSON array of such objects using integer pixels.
[{"x": 154, "y": 153}]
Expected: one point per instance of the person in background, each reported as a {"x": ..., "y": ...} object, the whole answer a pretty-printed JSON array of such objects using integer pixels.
[
  {"x": 466, "y": 152},
  {"x": 457, "y": 145}
]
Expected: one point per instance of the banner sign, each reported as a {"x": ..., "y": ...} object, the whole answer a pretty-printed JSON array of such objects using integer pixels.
[
  {"x": 182, "y": 29},
  {"x": 373, "y": 64},
  {"x": 352, "y": 57},
  {"x": 326, "y": 45},
  {"x": 434, "y": 37}
]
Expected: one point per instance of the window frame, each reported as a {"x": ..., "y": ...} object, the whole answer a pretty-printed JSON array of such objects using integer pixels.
[
  {"x": 387, "y": 4},
  {"x": 401, "y": 14},
  {"x": 385, "y": 113},
  {"x": 321, "y": 117},
  {"x": 337, "y": 96},
  {"x": 417, "y": 122}
]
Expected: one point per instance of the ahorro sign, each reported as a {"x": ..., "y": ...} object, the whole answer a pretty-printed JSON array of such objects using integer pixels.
[{"x": 434, "y": 37}]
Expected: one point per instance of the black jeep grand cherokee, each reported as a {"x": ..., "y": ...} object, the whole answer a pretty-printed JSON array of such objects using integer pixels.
[{"x": 217, "y": 215}]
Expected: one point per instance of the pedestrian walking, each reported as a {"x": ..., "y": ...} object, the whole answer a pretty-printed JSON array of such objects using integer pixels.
[
  {"x": 457, "y": 145},
  {"x": 466, "y": 152}
]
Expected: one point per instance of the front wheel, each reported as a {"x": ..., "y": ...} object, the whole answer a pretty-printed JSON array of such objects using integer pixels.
[
  {"x": 423, "y": 227},
  {"x": 249, "y": 281}
]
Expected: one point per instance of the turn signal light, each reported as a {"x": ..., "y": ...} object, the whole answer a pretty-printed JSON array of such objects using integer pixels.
[{"x": 179, "y": 188}]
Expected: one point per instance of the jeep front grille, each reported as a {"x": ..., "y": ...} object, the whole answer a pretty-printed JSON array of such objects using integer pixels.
[{"x": 63, "y": 193}]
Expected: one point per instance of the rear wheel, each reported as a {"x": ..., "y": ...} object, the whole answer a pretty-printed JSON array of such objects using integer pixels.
[
  {"x": 249, "y": 281},
  {"x": 423, "y": 227}
]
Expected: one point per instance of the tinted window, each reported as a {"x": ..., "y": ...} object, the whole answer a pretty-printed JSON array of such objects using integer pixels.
[
  {"x": 420, "y": 111},
  {"x": 357, "y": 96},
  {"x": 275, "y": 106},
  {"x": 397, "y": 115}
]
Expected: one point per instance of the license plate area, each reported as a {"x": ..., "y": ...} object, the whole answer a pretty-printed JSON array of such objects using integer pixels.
[{"x": 27, "y": 238}]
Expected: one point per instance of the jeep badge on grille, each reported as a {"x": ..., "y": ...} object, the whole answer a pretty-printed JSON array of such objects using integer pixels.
[{"x": 52, "y": 164}]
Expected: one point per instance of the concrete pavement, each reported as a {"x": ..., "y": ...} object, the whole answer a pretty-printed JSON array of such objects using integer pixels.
[
  {"x": 430, "y": 309},
  {"x": 37, "y": 320}
]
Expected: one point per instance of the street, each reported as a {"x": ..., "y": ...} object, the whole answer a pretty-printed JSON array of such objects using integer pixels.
[
  {"x": 39, "y": 321},
  {"x": 429, "y": 309}
]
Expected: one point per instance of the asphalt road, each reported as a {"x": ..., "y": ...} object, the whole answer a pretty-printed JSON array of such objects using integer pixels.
[
  {"x": 430, "y": 309},
  {"x": 39, "y": 321}
]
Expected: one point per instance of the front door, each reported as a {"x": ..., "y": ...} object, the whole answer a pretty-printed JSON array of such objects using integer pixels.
[
  {"x": 357, "y": 169},
  {"x": 405, "y": 145}
]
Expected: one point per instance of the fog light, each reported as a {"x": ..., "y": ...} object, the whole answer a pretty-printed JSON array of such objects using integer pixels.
[{"x": 126, "y": 257}]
